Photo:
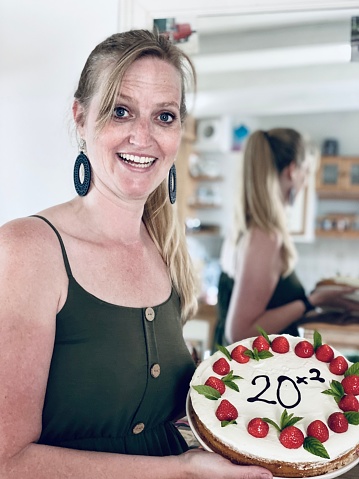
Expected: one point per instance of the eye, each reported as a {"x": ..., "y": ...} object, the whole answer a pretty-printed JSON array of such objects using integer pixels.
[
  {"x": 120, "y": 112},
  {"x": 166, "y": 117}
]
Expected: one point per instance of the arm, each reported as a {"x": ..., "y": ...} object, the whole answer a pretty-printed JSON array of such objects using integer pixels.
[
  {"x": 33, "y": 287},
  {"x": 259, "y": 269}
]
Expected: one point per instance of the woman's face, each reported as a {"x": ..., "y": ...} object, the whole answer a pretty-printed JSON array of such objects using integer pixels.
[{"x": 133, "y": 153}]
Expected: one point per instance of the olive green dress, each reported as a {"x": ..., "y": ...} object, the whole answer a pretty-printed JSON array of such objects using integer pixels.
[{"x": 118, "y": 377}]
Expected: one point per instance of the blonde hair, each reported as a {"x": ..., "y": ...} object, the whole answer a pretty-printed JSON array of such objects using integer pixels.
[
  {"x": 104, "y": 71},
  {"x": 260, "y": 200}
]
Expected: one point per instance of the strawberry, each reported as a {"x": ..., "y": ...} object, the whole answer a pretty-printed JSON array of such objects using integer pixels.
[
  {"x": 221, "y": 367},
  {"x": 280, "y": 345},
  {"x": 226, "y": 411},
  {"x": 337, "y": 422},
  {"x": 291, "y": 437},
  {"x": 260, "y": 343},
  {"x": 319, "y": 430},
  {"x": 304, "y": 349},
  {"x": 238, "y": 354},
  {"x": 349, "y": 403},
  {"x": 257, "y": 427},
  {"x": 351, "y": 384},
  {"x": 338, "y": 365},
  {"x": 216, "y": 383},
  {"x": 324, "y": 353}
]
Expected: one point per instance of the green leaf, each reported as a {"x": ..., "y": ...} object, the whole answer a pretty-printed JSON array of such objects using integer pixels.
[
  {"x": 336, "y": 390},
  {"x": 269, "y": 421},
  {"x": 237, "y": 377},
  {"x": 231, "y": 385},
  {"x": 264, "y": 334},
  {"x": 314, "y": 446},
  {"x": 293, "y": 421},
  {"x": 288, "y": 420},
  {"x": 317, "y": 340},
  {"x": 352, "y": 417},
  {"x": 227, "y": 423},
  {"x": 255, "y": 354},
  {"x": 208, "y": 392},
  {"x": 224, "y": 351},
  {"x": 265, "y": 354},
  {"x": 354, "y": 369},
  {"x": 249, "y": 353}
]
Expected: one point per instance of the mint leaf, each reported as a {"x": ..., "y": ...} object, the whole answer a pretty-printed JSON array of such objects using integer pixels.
[
  {"x": 336, "y": 390},
  {"x": 249, "y": 353},
  {"x": 227, "y": 423},
  {"x": 208, "y": 392},
  {"x": 352, "y": 417},
  {"x": 269, "y": 421},
  {"x": 265, "y": 354},
  {"x": 354, "y": 369},
  {"x": 231, "y": 385},
  {"x": 314, "y": 446},
  {"x": 224, "y": 351},
  {"x": 317, "y": 340},
  {"x": 288, "y": 420},
  {"x": 263, "y": 333}
]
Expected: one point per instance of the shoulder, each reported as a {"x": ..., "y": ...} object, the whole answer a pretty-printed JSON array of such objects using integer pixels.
[{"x": 265, "y": 241}]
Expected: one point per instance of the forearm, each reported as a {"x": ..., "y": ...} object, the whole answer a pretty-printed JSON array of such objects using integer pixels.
[{"x": 44, "y": 462}]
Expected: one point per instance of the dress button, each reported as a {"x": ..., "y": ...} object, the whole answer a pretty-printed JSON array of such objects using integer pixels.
[
  {"x": 138, "y": 428},
  {"x": 150, "y": 314},
  {"x": 155, "y": 370}
]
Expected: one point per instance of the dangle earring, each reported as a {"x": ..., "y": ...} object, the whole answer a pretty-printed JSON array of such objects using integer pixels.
[
  {"x": 82, "y": 171},
  {"x": 172, "y": 187}
]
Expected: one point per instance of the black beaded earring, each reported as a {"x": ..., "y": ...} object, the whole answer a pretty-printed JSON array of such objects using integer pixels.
[
  {"x": 172, "y": 187},
  {"x": 82, "y": 171}
]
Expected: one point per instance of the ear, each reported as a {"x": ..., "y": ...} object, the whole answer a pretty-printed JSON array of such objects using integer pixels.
[{"x": 78, "y": 113}]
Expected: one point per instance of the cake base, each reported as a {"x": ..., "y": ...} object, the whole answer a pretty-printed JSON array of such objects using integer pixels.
[{"x": 277, "y": 468}]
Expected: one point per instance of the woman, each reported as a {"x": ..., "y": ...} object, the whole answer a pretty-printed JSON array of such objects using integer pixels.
[
  {"x": 258, "y": 285},
  {"x": 93, "y": 366}
]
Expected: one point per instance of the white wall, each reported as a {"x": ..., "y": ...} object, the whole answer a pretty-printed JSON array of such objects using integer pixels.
[{"x": 43, "y": 47}]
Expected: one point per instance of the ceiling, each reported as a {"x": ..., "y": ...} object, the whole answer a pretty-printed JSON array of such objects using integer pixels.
[{"x": 274, "y": 64}]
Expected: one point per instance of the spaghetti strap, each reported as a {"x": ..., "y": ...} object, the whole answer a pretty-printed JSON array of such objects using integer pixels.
[{"x": 64, "y": 254}]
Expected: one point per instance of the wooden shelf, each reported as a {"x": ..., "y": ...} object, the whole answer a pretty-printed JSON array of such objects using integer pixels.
[
  {"x": 207, "y": 178},
  {"x": 204, "y": 206},
  {"x": 337, "y": 234}
]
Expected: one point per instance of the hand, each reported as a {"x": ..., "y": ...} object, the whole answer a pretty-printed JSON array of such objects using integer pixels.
[
  {"x": 203, "y": 464},
  {"x": 334, "y": 296}
]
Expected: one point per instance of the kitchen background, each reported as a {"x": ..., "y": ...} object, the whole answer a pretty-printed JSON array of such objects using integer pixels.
[{"x": 254, "y": 71}]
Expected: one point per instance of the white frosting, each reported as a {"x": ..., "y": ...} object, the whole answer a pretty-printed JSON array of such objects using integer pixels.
[{"x": 313, "y": 405}]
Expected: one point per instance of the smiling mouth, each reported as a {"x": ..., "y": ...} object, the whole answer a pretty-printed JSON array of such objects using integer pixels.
[{"x": 137, "y": 161}]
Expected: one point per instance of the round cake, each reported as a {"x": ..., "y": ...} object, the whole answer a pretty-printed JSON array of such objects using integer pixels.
[{"x": 281, "y": 402}]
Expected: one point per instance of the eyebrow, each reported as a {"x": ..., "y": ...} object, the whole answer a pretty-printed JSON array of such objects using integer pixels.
[{"x": 161, "y": 105}]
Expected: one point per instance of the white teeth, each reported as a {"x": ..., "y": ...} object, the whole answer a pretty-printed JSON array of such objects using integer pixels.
[{"x": 142, "y": 161}]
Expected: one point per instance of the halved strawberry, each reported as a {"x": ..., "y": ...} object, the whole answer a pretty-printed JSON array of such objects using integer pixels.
[
  {"x": 257, "y": 427},
  {"x": 280, "y": 345},
  {"x": 216, "y": 383},
  {"x": 221, "y": 367},
  {"x": 324, "y": 353},
  {"x": 319, "y": 430},
  {"x": 260, "y": 343},
  {"x": 349, "y": 403},
  {"x": 338, "y": 365},
  {"x": 291, "y": 437},
  {"x": 238, "y": 354},
  {"x": 337, "y": 422},
  {"x": 226, "y": 411},
  {"x": 304, "y": 349},
  {"x": 351, "y": 384}
]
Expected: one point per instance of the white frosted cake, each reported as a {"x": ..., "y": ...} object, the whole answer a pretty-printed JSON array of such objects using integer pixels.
[{"x": 304, "y": 409}]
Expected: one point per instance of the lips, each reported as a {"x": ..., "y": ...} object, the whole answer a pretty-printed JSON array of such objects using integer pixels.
[{"x": 137, "y": 161}]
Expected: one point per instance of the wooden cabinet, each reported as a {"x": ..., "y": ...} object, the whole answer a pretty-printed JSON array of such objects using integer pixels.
[{"x": 338, "y": 177}]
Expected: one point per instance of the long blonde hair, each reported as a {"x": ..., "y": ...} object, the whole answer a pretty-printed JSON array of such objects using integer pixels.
[
  {"x": 260, "y": 203},
  {"x": 104, "y": 71}
]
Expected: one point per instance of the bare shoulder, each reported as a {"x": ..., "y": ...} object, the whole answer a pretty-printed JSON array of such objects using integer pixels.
[{"x": 270, "y": 242}]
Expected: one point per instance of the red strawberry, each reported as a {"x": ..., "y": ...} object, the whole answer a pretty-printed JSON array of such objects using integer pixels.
[
  {"x": 318, "y": 430},
  {"x": 260, "y": 343},
  {"x": 338, "y": 365},
  {"x": 291, "y": 437},
  {"x": 221, "y": 367},
  {"x": 324, "y": 353},
  {"x": 351, "y": 384},
  {"x": 280, "y": 345},
  {"x": 304, "y": 349},
  {"x": 349, "y": 403},
  {"x": 337, "y": 422},
  {"x": 257, "y": 427},
  {"x": 226, "y": 411},
  {"x": 216, "y": 383},
  {"x": 238, "y": 354}
]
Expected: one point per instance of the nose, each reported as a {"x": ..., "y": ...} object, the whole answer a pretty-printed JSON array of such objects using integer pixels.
[{"x": 141, "y": 133}]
